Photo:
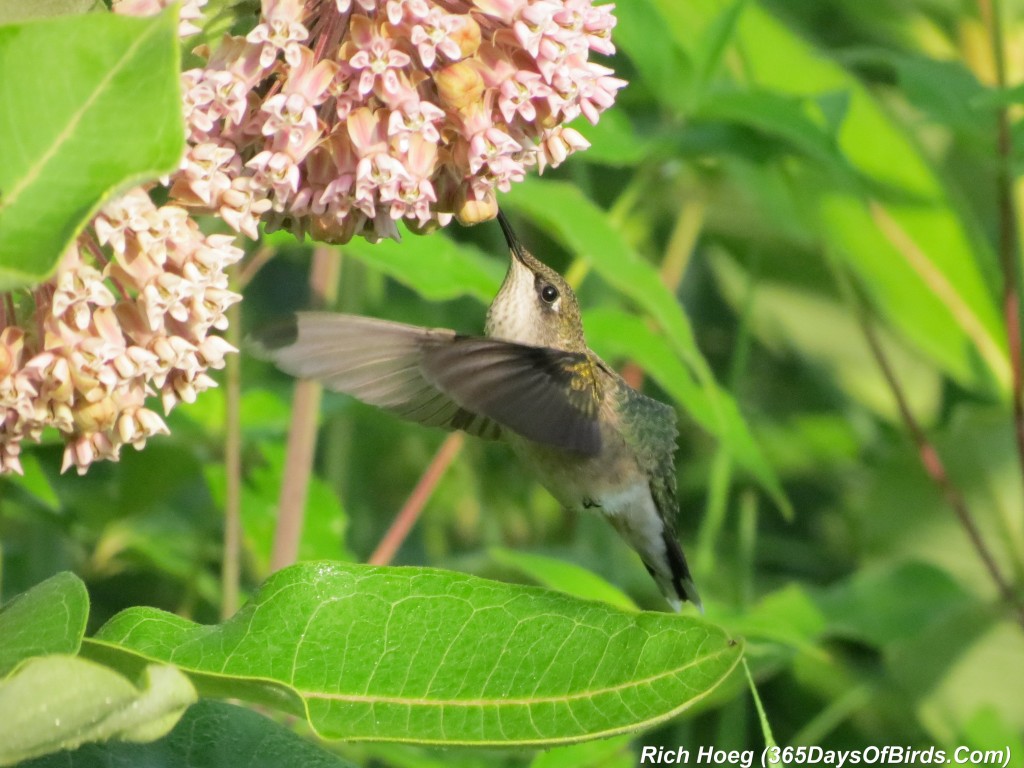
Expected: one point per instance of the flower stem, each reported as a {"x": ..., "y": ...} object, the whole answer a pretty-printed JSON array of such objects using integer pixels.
[
  {"x": 230, "y": 576},
  {"x": 253, "y": 265},
  {"x": 298, "y": 463}
]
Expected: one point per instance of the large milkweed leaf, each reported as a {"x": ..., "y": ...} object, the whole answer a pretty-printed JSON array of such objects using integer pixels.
[
  {"x": 428, "y": 656},
  {"x": 88, "y": 105}
]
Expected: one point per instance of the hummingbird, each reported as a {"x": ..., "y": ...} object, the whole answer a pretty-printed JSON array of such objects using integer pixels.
[{"x": 593, "y": 441}]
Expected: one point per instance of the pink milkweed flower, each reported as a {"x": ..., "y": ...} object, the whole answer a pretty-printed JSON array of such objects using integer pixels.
[
  {"x": 126, "y": 317},
  {"x": 373, "y": 54},
  {"x": 321, "y": 104}
]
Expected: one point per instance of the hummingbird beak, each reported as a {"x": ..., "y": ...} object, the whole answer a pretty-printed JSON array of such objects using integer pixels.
[{"x": 510, "y": 237}]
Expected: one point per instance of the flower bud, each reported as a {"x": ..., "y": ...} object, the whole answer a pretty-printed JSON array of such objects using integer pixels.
[
  {"x": 12, "y": 340},
  {"x": 467, "y": 36},
  {"x": 470, "y": 211},
  {"x": 459, "y": 85},
  {"x": 422, "y": 227},
  {"x": 95, "y": 417}
]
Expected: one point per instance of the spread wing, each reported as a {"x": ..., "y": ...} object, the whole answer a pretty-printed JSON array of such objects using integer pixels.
[{"x": 439, "y": 378}]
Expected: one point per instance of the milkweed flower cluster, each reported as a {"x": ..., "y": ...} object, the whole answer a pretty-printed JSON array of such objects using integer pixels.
[
  {"x": 127, "y": 318},
  {"x": 339, "y": 117},
  {"x": 335, "y": 118}
]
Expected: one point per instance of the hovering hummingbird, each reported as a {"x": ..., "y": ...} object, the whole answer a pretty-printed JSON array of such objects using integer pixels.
[{"x": 592, "y": 440}]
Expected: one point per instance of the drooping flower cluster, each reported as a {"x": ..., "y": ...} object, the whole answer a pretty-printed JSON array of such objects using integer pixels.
[
  {"x": 339, "y": 117},
  {"x": 127, "y": 317},
  {"x": 331, "y": 117}
]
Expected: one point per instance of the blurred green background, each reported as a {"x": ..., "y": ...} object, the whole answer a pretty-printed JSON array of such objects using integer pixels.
[{"x": 774, "y": 171}]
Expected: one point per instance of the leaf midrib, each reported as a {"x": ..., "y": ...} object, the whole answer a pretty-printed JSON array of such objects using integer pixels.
[
  {"x": 357, "y": 698},
  {"x": 35, "y": 170}
]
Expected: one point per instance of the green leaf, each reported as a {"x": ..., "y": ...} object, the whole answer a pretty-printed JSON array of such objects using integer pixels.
[
  {"x": 59, "y": 702},
  {"x": 211, "y": 734},
  {"x": 433, "y": 265},
  {"x": 114, "y": 120},
  {"x": 49, "y": 618},
  {"x": 664, "y": 66},
  {"x": 920, "y": 254},
  {"x": 420, "y": 655},
  {"x": 993, "y": 98},
  {"x": 784, "y": 117},
  {"x": 947, "y": 91},
  {"x": 605, "y": 753},
  {"x": 564, "y": 576},
  {"x": 713, "y": 42},
  {"x": 893, "y": 603}
]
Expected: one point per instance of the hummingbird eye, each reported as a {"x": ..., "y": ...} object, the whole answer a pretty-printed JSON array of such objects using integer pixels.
[{"x": 549, "y": 293}]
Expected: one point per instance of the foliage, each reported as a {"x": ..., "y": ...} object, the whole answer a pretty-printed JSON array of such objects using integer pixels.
[
  {"x": 431, "y": 656},
  {"x": 780, "y": 184},
  {"x": 118, "y": 77}
]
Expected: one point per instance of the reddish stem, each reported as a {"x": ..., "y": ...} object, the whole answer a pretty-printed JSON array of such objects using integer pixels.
[
  {"x": 1008, "y": 235},
  {"x": 933, "y": 465},
  {"x": 421, "y": 493}
]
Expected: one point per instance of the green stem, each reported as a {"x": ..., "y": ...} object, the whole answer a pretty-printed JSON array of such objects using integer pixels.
[
  {"x": 714, "y": 513},
  {"x": 722, "y": 464},
  {"x": 682, "y": 242},
  {"x": 747, "y": 546},
  {"x": 766, "y": 728}
]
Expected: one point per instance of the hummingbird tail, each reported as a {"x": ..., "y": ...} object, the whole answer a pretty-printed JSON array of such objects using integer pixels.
[{"x": 681, "y": 587}]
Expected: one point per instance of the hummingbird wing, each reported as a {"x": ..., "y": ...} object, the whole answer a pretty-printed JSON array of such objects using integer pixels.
[{"x": 439, "y": 378}]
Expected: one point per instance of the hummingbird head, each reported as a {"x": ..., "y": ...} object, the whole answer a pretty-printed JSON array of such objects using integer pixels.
[{"x": 535, "y": 304}]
